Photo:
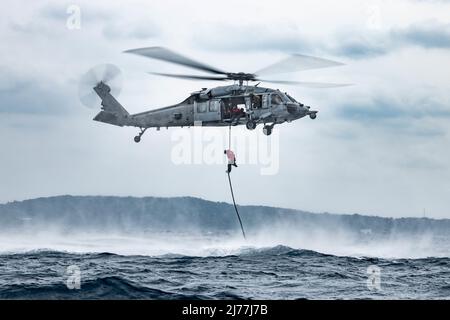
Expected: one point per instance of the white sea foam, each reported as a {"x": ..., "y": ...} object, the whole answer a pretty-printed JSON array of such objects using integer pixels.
[{"x": 168, "y": 243}]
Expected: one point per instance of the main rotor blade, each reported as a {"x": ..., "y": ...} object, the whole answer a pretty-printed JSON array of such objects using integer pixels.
[
  {"x": 309, "y": 84},
  {"x": 164, "y": 54},
  {"x": 191, "y": 77},
  {"x": 297, "y": 62}
]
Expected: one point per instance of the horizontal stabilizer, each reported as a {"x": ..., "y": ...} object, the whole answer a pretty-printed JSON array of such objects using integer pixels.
[{"x": 110, "y": 118}]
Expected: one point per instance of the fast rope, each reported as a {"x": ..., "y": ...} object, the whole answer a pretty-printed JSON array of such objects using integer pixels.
[{"x": 231, "y": 186}]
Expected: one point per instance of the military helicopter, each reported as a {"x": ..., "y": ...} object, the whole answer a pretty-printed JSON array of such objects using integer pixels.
[{"x": 230, "y": 105}]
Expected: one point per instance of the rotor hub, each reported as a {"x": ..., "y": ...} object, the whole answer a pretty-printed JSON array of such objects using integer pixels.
[{"x": 241, "y": 76}]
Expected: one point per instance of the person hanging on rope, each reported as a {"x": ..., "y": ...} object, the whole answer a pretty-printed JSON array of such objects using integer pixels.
[{"x": 231, "y": 159}]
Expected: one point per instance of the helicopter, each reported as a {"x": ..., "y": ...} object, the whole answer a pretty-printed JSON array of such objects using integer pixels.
[{"x": 229, "y": 105}]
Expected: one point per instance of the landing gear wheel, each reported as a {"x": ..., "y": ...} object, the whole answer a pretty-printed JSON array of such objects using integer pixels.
[
  {"x": 313, "y": 115},
  {"x": 137, "y": 139},
  {"x": 251, "y": 125},
  {"x": 267, "y": 131}
]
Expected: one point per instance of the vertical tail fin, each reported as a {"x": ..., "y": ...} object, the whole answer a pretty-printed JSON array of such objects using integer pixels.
[{"x": 113, "y": 112}]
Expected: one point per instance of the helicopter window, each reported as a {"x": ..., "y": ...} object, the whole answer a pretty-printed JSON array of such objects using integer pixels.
[
  {"x": 290, "y": 98},
  {"x": 214, "y": 106},
  {"x": 276, "y": 99},
  {"x": 257, "y": 102},
  {"x": 265, "y": 102},
  {"x": 189, "y": 100},
  {"x": 201, "y": 107}
]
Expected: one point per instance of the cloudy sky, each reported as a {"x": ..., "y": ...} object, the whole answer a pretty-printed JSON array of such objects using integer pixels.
[{"x": 380, "y": 147}]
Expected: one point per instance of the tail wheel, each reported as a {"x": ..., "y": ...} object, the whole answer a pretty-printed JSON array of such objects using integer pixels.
[
  {"x": 313, "y": 115},
  {"x": 267, "y": 131}
]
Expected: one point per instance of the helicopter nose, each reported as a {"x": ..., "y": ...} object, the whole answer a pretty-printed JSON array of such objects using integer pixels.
[
  {"x": 293, "y": 108},
  {"x": 297, "y": 109}
]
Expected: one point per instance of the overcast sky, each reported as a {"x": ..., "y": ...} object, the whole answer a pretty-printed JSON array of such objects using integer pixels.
[{"x": 380, "y": 147}]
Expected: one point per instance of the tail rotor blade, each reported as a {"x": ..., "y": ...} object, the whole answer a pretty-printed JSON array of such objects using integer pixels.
[{"x": 109, "y": 74}]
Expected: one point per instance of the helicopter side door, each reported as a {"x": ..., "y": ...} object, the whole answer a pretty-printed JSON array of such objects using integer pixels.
[
  {"x": 207, "y": 111},
  {"x": 259, "y": 102},
  {"x": 260, "y": 107},
  {"x": 265, "y": 101}
]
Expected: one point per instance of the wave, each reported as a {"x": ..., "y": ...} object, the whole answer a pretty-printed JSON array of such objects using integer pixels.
[
  {"x": 279, "y": 250},
  {"x": 248, "y": 273},
  {"x": 113, "y": 287},
  {"x": 242, "y": 252}
]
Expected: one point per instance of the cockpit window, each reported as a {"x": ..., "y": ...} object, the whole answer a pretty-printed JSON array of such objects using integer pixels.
[
  {"x": 290, "y": 98},
  {"x": 189, "y": 100},
  {"x": 276, "y": 99}
]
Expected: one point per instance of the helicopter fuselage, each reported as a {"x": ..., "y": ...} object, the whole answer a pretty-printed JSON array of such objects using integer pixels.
[{"x": 216, "y": 107}]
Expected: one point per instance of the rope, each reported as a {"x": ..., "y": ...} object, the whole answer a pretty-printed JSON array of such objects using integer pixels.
[
  {"x": 235, "y": 207},
  {"x": 231, "y": 187},
  {"x": 229, "y": 137}
]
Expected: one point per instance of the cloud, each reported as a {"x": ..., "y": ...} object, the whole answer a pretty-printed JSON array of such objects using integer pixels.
[
  {"x": 354, "y": 44},
  {"x": 41, "y": 66},
  {"x": 51, "y": 20},
  {"x": 58, "y": 12},
  {"x": 29, "y": 96},
  {"x": 357, "y": 46},
  {"x": 381, "y": 108},
  {"x": 432, "y": 1},
  {"x": 286, "y": 37},
  {"x": 366, "y": 44},
  {"x": 21, "y": 92},
  {"x": 428, "y": 35},
  {"x": 140, "y": 30},
  {"x": 414, "y": 119}
]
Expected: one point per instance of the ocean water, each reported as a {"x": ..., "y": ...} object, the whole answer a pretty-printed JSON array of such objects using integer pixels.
[{"x": 123, "y": 269}]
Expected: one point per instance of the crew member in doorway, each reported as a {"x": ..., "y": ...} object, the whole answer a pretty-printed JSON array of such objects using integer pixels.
[
  {"x": 231, "y": 159},
  {"x": 236, "y": 114}
]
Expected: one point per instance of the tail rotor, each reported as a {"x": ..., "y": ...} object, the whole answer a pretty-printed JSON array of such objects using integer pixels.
[{"x": 106, "y": 74}]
